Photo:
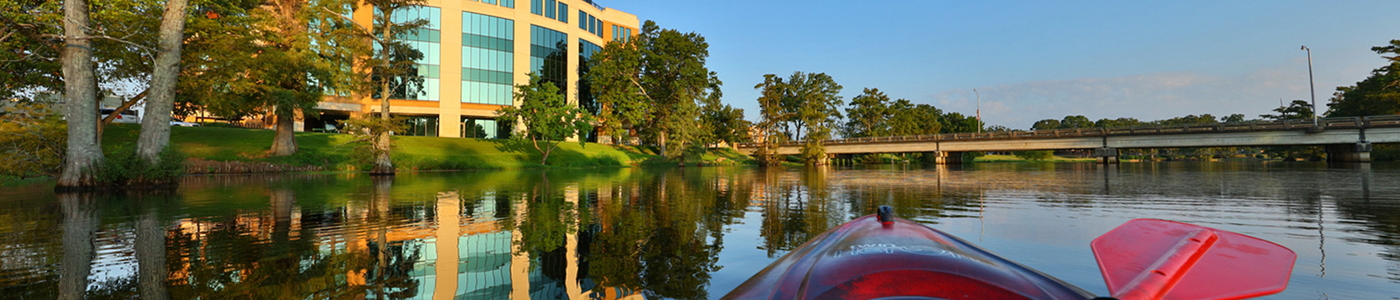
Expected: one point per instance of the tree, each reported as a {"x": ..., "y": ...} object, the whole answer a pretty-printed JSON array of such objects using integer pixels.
[
  {"x": 80, "y": 95},
  {"x": 548, "y": 119},
  {"x": 297, "y": 51},
  {"x": 1296, "y": 110},
  {"x": 1234, "y": 118},
  {"x": 867, "y": 115},
  {"x": 958, "y": 123},
  {"x": 907, "y": 118},
  {"x": 155, "y": 125},
  {"x": 1076, "y": 122},
  {"x": 772, "y": 91},
  {"x": 1117, "y": 123},
  {"x": 654, "y": 78},
  {"x": 806, "y": 101},
  {"x": 721, "y": 123},
  {"x": 1378, "y": 94},
  {"x": 391, "y": 68},
  {"x": 1046, "y": 124}
]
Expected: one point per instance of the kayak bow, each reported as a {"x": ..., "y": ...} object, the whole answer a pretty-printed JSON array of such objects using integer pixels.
[{"x": 882, "y": 256}]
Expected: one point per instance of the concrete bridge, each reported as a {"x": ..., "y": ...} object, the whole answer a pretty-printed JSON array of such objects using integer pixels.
[{"x": 1345, "y": 139}]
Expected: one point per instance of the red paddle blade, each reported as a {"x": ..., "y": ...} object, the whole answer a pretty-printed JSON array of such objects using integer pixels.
[{"x": 1156, "y": 259}]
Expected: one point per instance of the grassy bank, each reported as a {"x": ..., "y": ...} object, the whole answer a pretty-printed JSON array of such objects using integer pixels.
[{"x": 333, "y": 151}]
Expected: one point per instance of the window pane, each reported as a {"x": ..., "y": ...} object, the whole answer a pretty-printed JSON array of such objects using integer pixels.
[{"x": 563, "y": 12}]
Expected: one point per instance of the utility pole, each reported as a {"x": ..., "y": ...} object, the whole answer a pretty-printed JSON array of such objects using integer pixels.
[{"x": 1312, "y": 90}]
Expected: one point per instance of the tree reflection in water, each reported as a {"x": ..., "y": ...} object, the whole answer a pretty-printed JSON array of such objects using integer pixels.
[{"x": 622, "y": 233}]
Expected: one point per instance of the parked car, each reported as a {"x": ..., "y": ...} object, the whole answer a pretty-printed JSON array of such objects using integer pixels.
[
  {"x": 126, "y": 116},
  {"x": 185, "y": 124}
]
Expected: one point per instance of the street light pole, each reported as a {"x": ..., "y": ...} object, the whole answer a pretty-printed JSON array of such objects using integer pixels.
[
  {"x": 1312, "y": 90},
  {"x": 979, "y": 110}
]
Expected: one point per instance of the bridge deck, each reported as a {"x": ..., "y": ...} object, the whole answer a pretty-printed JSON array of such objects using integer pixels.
[{"x": 1376, "y": 129}]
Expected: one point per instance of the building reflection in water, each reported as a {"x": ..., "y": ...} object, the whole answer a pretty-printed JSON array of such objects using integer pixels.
[{"x": 628, "y": 234}]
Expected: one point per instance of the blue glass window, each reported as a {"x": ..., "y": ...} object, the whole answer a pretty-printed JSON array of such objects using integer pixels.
[
  {"x": 549, "y": 7},
  {"x": 563, "y": 13},
  {"x": 488, "y": 56},
  {"x": 537, "y": 7}
]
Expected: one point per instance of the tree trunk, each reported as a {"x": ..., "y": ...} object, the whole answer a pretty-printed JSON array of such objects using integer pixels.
[
  {"x": 284, "y": 142},
  {"x": 150, "y": 255},
  {"x": 84, "y": 154},
  {"x": 79, "y": 230},
  {"x": 662, "y": 139},
  {"x": 383, "y": 163},
  {"x": 155, "y": 124}
]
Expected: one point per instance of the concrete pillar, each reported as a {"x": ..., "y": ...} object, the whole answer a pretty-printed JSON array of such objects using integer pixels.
[
  {"x": 1106, "y": 155},
  {"x": 1356, "y": 152},
  {"x": 937, "y": 157},
  {"x": 946, "y": 158}
]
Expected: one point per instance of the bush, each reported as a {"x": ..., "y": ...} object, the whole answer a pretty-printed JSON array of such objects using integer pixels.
[
  {"x": 1034, "y": 155},
  {"x": 123, "y": 168},
  {"x": 33, "y": 139},
  {"x": 1385, "y": 152}
]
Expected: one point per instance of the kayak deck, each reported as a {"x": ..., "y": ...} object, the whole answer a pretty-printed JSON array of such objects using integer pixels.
[{"x": 867, "y": 259}]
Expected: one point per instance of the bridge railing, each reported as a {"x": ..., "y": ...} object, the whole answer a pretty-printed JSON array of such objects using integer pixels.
[{"x": 1248, "y": 126}]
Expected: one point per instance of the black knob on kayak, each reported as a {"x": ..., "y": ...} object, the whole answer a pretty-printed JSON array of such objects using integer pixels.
[{"x": 885, "y": 214}]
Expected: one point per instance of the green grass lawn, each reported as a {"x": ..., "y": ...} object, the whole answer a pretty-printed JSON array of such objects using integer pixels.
[{"x": 335, "y": 151}]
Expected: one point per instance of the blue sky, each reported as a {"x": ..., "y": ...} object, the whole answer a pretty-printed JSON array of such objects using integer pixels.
[{"x": 1043, "y": 59}]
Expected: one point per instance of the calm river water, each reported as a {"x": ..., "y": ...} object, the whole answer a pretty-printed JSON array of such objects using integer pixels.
[{"x": 692, "y": 233}]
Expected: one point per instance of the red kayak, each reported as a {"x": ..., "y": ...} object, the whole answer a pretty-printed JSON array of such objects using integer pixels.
[{"x": 881, "y": 256}]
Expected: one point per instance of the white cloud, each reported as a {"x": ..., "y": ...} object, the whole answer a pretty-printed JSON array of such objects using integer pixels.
[{"x": 1150, "y": 96}]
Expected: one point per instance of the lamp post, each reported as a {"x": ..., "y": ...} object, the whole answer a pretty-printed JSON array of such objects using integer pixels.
[
  {"x": 1312, "y": 90},
  {"x": 979, "y": 110}
]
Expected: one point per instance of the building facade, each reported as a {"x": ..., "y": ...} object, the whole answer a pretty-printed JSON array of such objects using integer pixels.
[{"x": 476, "y": 51}]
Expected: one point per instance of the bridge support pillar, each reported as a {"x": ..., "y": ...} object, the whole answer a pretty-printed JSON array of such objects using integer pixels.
[
  {"x": 1357, "y": 152},
  {"x": 1106, "y": 155},
  {"x": 946, "y": 158}
]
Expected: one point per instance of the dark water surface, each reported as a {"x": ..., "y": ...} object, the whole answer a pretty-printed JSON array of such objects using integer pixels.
[{"x": 689, "y": 233}]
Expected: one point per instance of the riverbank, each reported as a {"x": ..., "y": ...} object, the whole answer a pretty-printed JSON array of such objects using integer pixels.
[{"x": 241, "y": 150}]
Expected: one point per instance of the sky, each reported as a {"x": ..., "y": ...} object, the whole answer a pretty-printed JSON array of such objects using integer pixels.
[{"x": 1033, "y": 60}]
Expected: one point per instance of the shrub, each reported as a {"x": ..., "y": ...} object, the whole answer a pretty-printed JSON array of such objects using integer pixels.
[
  {"x": 1034, "y": 155},
  {"x": 33, "y": 139},
  {"x": 123, "y": 168}
]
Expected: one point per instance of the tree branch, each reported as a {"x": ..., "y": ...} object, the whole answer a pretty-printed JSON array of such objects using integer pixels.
[{"x": 27, "y": 31}]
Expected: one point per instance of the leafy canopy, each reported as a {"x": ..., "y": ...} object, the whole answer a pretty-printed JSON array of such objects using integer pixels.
[{"x": 548, "y": 119}]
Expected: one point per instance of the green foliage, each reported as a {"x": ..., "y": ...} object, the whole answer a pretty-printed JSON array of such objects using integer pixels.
[
  {"x": 721, "y": 123},
  {"x": 33, "y": 138},
  {"x": 123, "y": 167},
  {"x": 548, "y": 119},
  {"x": 1378, "y": 94},
  {"x": 867, "y": 115},
  {"x": 272, "y": 59},
  {"x": 1296, "y": 110},
  {"x": 365, "y": 128},
  {"x": 958, "y": 123},
  {"x": 804, "y": 102},
  {"x": 1034, "y": 154},
  {"x": 652, "y": 83},
  {"x": 922, "y": 119}
]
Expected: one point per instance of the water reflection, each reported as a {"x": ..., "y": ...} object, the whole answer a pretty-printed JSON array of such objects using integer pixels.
[{"x": 636, "y": 233}]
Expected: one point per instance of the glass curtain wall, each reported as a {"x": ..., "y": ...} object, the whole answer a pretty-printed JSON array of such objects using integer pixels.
[
  {"x": 482, "y": 129},
  {"x": 420, "y": 126},
  {"x": 548, "y": 51},
  {"x": 427, "y": 40},
  {"x": 488, "y": 56}
]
